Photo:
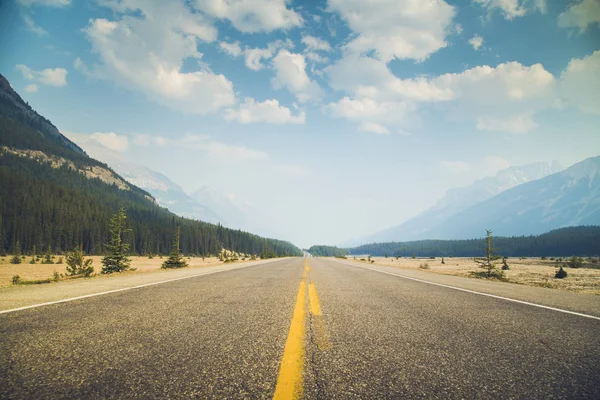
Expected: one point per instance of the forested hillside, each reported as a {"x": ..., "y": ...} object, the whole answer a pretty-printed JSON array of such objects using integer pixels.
[
  {"x": 580, "y": 241},
  {"x": 53, "y": 194}
]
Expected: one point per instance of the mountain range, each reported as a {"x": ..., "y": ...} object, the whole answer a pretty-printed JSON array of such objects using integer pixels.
[
  {"x": 523, "y": 200},
  {"x": 53, "y": 194}
]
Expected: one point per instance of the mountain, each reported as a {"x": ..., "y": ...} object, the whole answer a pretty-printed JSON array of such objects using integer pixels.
[
  {"x": 167, "y": 193},
  {"x": 567, "y": 198},
  {"x": 224, "y": 206},
  {"x": 460, "y": 199},
  {"x": 52, "y": 194},
  {"x": 13, "y": 106}
]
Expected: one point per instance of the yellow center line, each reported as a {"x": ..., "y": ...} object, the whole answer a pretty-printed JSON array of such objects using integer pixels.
[
  {"x": 313, "y": 297},
  {"x": 289, "y": 382},
  {"x": 321, "y": 336}
]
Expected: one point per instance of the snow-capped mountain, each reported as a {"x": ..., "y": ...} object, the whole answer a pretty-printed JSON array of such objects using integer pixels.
[
  {"x": 166, "y": 192},
  {"x": 459, "y": 199},
  {"x": 567, "y": 198},
  {"x": 224, "y": 205}
]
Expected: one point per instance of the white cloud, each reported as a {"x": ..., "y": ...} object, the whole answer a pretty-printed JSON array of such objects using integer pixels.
[
  {"x": 221, "y": 151},
  {"x": 253, "y": 57},
  {"x": 233, "y": 49},
  {"x": 269, "y": 111},
  {"x": 457, "y": 167},
  {"x": 315, "y": 44},
  {"x": 111, "y": 141},
  {"x": 476, "y": 42},
  {"x": 374, "y": 127},
  {"x": 505, "y": 97},
  {"x": 580, "y": 15},
  {"x": 147, "y": 140},
  {"x": 252, "y": 15},
  {"x": 403, "y": 29},
  {"x": 48, "y": 76},
  {"x": 367, "y": 77},
  {"x": 31, "y": 88},
  {"x": 579, "y": 83},
  {"x": 290, "y": 74},
  {"x": 513, "y": 8},
  {"x": 50, "y": 3},
  {"x": 373, "y": 116},
  {"x": 511, "y": 124},
  {"x": 33, "y": 27},
  {"x": 146, "y": 54}
]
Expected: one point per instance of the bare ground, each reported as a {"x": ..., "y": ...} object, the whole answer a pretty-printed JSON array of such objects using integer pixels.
[
  {"x": 530, "y": 271},
  {"x": 46, "y": 271}
]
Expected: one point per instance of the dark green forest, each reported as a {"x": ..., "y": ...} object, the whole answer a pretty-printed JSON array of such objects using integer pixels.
[
  {"x": 61, "y": 208},
  {"x": 327, "y": 251},
  {"x": 564, "y": 242}
]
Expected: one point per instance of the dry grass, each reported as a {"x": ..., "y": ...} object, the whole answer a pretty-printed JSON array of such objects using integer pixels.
[
  {"x": 532, "y": 272},
  {"x": 46, "y": 271}
]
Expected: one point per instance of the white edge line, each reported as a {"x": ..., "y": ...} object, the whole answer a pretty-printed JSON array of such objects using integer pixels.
[
  {"x": 128, "y": 288},
  {"x": 475, "y": 292}
]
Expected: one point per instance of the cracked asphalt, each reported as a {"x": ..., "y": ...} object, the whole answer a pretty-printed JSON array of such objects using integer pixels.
[{"x": 223, "y": 336}]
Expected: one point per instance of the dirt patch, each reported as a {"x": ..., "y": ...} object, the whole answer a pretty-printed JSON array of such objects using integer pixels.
[
  {"x": 529, "y": 271},
  {"x": 46, "y": 271}
]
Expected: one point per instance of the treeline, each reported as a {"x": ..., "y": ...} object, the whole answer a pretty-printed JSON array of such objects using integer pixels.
[
  {"x": 564, "y": 242},
  {"x": 327, "y": 251},
  {"x": 61, "y": 208}
]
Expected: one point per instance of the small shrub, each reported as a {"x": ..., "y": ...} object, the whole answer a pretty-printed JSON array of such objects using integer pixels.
[
  {"x": 543, "y": 258},
  {"x": 253, "y": 257},
  {"x": 505, "y": 266},
  {"x": 560, "y": 274},
  {"x": 60, "y": 260},
  {"x": 551, "y": 258},
  {"x": 16, "y": 279},
  {"x": 32, "y": 261},
  {"x": 424, "y": 266},
  {"x": 575, "y": 262},
  {"x": 77, "y": 264},
  {"x": 362, "y": 259},
  {"x": 56, "y": 276},
  {"x": 16, "y": 259}
]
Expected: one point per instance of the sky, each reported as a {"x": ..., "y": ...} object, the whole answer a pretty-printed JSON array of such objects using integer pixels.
[{"x": 327, "y": 120}]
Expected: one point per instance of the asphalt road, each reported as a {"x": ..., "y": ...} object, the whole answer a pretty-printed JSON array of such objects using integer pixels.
[{"x": 327, "y": 331}]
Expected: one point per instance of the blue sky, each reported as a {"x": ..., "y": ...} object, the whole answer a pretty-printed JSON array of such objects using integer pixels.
[{"x": 325, "y": 120}]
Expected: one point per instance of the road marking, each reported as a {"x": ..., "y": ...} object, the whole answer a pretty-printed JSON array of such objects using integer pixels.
[
  {"x": 289, "y": 381},
  {"x": 127, "y": 288},
  {"x": 315, "y": 306},
  {"x": 479, "y": 293},
  {"x": 321, "y": 336}
]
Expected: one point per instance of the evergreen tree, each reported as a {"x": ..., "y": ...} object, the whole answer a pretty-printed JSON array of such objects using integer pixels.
[
  {"x": 117, "y": 259},
  {"x": 16, "y": 258},
  {"x": 487, "y": 263},
  {"x": 48, "y": 256},
  {"x": 175, "y": 259},
  {"x": 77, "y": 264}
]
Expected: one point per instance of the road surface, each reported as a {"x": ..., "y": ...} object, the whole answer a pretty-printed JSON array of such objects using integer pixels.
[{"x": 296, "y": 328}]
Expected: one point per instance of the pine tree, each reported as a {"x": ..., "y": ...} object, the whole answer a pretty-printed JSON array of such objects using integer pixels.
[
  {"x": 77, "y": 265},
  {"x": 175, "y": 259},
  {"x": 48, "y": 256},
  {"x": 487, "y": 262},
  {"x": 16, "y": 258},
  {"x": 117, "y": 260}
]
